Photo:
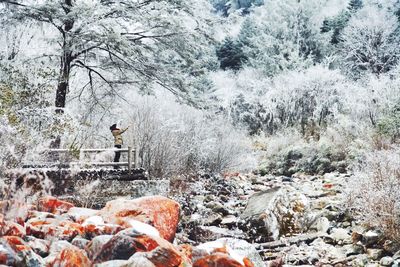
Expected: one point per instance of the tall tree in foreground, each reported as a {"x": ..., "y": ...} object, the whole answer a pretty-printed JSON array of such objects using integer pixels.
[{"x": 135, "y": 42}]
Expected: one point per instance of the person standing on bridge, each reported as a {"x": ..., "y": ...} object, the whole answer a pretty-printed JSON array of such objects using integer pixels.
[{"x": 117, "y": 133}]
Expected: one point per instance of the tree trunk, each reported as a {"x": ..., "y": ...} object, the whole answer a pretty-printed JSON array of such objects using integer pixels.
[
  {"x": 63, "y": 82},
  {"x": 63, "y": 79}
]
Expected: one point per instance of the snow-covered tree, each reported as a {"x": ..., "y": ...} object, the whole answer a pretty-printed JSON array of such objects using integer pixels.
[
  {"x": 370, "y": 42},
  {"x": 230, "y": 54},
  {"x": 136, "y": 43},
  {"x": 225, "y": 7},
  {"x": 282, "y": 35}
]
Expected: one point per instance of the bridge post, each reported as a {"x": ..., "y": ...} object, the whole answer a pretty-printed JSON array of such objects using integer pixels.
[
  {"x": 129, "y": 158},
  {"x": 136, "y": 159}
]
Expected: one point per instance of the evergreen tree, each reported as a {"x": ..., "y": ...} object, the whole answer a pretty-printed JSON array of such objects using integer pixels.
[
  {"x": 355, "y": 5},
  {"x": 326, "y": 25},
  {"x": 230, "y": 54}
]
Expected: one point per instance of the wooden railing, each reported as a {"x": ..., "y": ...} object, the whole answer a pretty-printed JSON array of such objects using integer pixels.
[{"x": 78, "y": 155}]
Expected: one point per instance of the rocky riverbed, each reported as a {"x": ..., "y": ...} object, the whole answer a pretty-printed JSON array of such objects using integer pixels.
[
  {"x": 234, "y": 220},
  {"x": 298, "y": 220}
]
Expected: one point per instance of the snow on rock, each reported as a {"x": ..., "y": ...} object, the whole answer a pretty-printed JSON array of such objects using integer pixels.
[
  {"x": 81, "y": 214},
  {"x": 7, "y": 255},
  {"x": 54, "y": 205},
  {"x": 278, "y": 211},
  {"x": 143, "y": 228},
  {"x": 239, "y": 250},
  {"x": 118, "y": 263},
  {"x": 94, "y": 247},
  {"x": 121, "y": 247},
  {"x": 158, "y": 211},
  {"x": 70, "y": 257},
  {"x": 218, "y": 259},
  {"x": 39, "y": 246},
  {"x": 58, "y": 234},
  {"x": 93, "y": 220}
]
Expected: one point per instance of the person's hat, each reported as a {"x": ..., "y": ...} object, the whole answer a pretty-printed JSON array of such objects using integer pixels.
[{"x": 113, "y": 127}]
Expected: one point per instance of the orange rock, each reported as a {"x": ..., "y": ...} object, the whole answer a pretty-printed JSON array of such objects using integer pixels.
[
  {"x": 71, "y": 257},
  {"x": 122, "y": 246},
  {"x": 12, "y": 229},
  {"x": 79, "y": 215},
  {"x": 94, "y": 247},
  {"x": 117, "y": 248},
  {"x": 187, "y": 253},
  {"x": 39, "y": 246},
  {"x": 158, "y": 211},
  {"x": 165, "y": 257},
  {"x": 8, "y": 256},
  {"x": 247, "y": 262},
  {"x": 48, "y": 228},
  {"x": 16, "y": 243},
  {"x": 53, "y": 205},
  {"x": 217, "y": 259},
  {"x": 223, "y": 250},
  {"x": 71, "y": 226},
  {"x": 92, "y": 230}
]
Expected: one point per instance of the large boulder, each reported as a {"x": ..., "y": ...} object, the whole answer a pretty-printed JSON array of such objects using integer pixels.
[
  {"x": 54, "y": 205},
  {"x": 240, "y": 250},
  {"x": 70, "y": 257},
  {"x": 7, "y": 255},
  {"x": 124, "y": 244},
  {"x": 51, "y": 228},
  {"x": 280, "y": 211},
  {"x": 158, "y": 211},
  {"x": 217, "y": 259},
  {"x": 93, "y": 248}
]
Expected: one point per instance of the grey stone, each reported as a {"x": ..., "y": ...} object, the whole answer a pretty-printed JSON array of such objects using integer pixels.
[
  {"x": 386, "y": 261},
  {"x": 278, "y": 212},
  {"x": 322, "y": 224},
  {"x": 212, "y": 219},
  {"x": 113, "y": 263},
  {"x": 353, "y": 249},
  {"x": 396, "y": 255},
  {"x": 79, "y": 242},
  {"x": 374, "y": 254},
  {"x": 360, "y": 260},
  {"x": 258, "y": 202},
  {"x": 371, "y": 238},
  {"x": 340, "y": 234},
  {"x": 229, "y": 220},
  {"x": 31, "y": 259},
  {"x": 217, "y": 207}
]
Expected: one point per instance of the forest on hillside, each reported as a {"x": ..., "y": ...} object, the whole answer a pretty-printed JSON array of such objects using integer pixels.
[{"x": 210, "y": 87}]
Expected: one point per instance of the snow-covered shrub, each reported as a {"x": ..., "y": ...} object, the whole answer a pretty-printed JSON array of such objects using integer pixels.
[
  {"x": 177, "y": 139},
  {"x": 373, "y": 191},
  {"x": 308, "y": 100},
  {"x": 12, "y": 148},
  {"x": 369, "y": 42},
  {"x": 18, "y": 188},
  {"x": 288, "y": 153}
]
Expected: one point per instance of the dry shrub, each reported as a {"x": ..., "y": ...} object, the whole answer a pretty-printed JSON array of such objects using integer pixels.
[{"x": 373, "y": 191}]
